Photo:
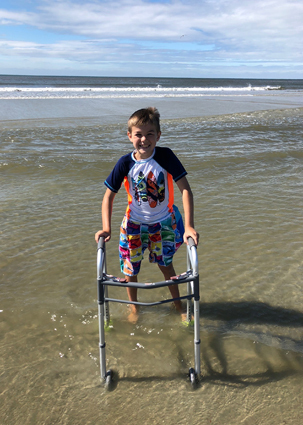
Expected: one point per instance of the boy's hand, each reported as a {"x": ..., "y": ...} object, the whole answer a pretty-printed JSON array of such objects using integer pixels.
[
  {"x": 190, "y": 232},
  {"x": 102, "y": 233}
]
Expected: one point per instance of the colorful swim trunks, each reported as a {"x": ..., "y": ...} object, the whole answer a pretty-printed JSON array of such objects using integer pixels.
[{"x": 162, "y": 240}]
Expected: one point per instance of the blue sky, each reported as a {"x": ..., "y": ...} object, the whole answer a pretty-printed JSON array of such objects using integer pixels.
[{"x": 161, "y": 38}]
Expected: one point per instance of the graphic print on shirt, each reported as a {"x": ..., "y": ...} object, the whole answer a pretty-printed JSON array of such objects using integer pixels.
[
  {"x": 140, "y": 188},
  {"x": 149, "y": 189},
  {"x": 161, "y": 187}
]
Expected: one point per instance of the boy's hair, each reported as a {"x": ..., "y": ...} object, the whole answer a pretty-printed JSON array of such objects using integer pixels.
[{"x": 144, "y": 116}]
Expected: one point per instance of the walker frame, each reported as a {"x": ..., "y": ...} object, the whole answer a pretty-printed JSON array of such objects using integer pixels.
[{"x": 191, "y": 277}]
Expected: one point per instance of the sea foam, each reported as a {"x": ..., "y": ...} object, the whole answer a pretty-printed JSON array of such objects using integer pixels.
[{"x": 18, "y": 92}]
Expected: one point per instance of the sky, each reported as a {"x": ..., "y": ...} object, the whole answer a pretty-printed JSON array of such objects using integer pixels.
[{"x": 160, "y": 38}]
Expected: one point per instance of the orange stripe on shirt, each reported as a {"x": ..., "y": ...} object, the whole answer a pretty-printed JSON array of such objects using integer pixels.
[
  {"x": 170, "y": 184},
  {"x": 129, "y": 197}
]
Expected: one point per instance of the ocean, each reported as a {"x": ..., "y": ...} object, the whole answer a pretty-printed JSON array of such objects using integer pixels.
[
  {"x": 20, "y": 87},
  {"x": 241, "y": 142}
]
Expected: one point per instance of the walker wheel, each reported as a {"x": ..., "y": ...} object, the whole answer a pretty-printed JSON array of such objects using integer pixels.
[
  {"x": 193, "y": 378},
  {"x": 108, "y": 379}
]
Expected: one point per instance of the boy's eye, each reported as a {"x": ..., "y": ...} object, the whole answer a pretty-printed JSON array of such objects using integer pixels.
[{"x": 139, "y": 135}]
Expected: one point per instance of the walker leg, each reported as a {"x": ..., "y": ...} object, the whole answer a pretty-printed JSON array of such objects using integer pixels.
[
  {"x": 189, "y": 305},
  {"x": 101, "y": 330},
  {"x": 108, "y": 379},
  {"x": 193, "y": 378},
  {"x": 106, "y": 307},
  {"x": 103, "y": 311},
  {"x": 197, "y": 327},
  {"x": 194, "y": 373},
  {"x": 106, "y": 376},
  {"x": 106, "y": 304}
]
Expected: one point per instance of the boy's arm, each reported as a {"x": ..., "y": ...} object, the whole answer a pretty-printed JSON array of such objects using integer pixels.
[
  {"x": 188, "y": 206},
  {"x": 107, "y": 209}
]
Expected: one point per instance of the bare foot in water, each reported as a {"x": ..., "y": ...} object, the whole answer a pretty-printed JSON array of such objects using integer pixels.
[
  {"x": 184, "y": 317},
  {"x": 133, "y": 315},
  {"x": 182, "y": 311}
]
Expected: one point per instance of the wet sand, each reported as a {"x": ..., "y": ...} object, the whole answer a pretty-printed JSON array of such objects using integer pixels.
[{"x": 117, "y": 109}]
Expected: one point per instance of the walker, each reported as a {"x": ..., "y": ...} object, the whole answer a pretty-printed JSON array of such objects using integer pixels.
[{"x": 191, "y": 277}]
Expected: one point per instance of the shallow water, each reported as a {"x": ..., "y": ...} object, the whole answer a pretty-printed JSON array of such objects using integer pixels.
[{"x": 246, "y": 174}]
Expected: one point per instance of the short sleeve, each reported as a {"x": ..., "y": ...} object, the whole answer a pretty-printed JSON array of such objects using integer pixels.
[
  {"x": 170, "y": 162},
  {"x": 119, "y": 172}
]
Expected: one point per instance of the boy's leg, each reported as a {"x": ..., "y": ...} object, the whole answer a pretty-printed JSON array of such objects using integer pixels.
[
  {"x": 132, "y": 296},
  {"x": 130, "y": 248},
  {"x": 132, "y": 292},
  {"x": 168, "y": 272}
]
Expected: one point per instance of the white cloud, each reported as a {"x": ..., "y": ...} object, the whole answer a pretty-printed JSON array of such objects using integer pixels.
[{"x": 192, "y": 32}]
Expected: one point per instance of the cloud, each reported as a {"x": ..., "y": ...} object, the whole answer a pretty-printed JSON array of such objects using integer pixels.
[{"x": 176, "y": 31}]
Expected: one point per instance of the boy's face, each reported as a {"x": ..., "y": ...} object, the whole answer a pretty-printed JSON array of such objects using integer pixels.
[{"x": 144, "y": 138}]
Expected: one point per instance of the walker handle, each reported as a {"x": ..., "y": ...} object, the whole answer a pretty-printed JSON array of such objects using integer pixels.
[
  {"x": 101, "y": 242},
  {"x": 190, "y": 242},
  {"x": 100, "y": 257}
]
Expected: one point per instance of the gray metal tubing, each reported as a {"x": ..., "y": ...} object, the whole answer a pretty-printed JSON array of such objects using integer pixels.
[
  {"x": 191, "y": 242},
  {"x": 197, "y": 337},
  {"x": 193, "y": 255},
  {"x": 100, "y": 288},
  {"x": 146, "y": 285},
  {"x": 193, "y": 260},
  {"x": 197, "y": 326},
  {"x": 185, "y": 297},
  {"x": 192, "y": 264},
  {"x": 193, "y": 292},
  {"x": 189, "y": 304},
  {"x": 100, "y": 258},
  {"x": 106, "y": 305},
  {"x": 100, "y": 269},
  {"x": 102, "y": 341}
]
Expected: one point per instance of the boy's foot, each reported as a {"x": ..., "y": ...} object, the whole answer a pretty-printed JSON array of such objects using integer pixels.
[
  {"x": 184, "y": 317},
  {"x": 133, "y": 315},
  {"x": 182, "y": 311}
]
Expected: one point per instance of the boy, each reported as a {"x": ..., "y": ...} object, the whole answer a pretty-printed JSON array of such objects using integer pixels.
[{"x": 151, "y": 220}]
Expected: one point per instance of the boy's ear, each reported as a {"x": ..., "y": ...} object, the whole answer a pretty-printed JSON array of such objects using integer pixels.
[{"x": 158, "y": 135}]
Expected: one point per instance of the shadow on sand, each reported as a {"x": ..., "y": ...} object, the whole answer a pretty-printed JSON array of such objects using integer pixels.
[
  {"x": 215, "y": 367},
  {"x": 233, "y": 314}
]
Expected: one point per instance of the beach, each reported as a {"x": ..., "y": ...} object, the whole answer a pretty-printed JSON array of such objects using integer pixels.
[{"x": 243, "y": 152}]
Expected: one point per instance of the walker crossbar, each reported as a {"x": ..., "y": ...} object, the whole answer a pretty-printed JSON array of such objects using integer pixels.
[
  {"x": 151, "y": 285},
  {"x": 191, "y": 277},
  {"x": 186, "y": 297}
]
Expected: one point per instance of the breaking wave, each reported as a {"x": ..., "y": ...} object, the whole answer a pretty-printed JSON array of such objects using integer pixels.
[{"x": 104, "y": 92}]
